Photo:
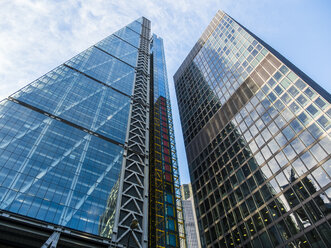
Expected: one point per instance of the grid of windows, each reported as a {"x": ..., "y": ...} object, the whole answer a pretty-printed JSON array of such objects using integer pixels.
[
  {"x": 263, "y": 177},
  {"x": 191, "y": 232},
  {"x": 191, "y": 224},
  {"x": 62, "y": 136},
  {"x": 52, "y": 171},
  {"x": 218, "y": 69},
  {"x": 166, "y": 227},
  {"x": 75, "y": 97}
]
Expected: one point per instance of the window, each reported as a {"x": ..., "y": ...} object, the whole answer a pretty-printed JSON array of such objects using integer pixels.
[
  {"x": 271, "y": 82},
  {"x": 274, "y": 236},
  {"x": 318, "y": 152},
  {"x": 306, "y": 138},
  {"x": 167, "y": 167},
  {"x": 324, "y": 122},
  {"x": 286, "y": 98},
  {"x": 170, "y": 210},
  {"x": 279, "y": 105},
  {"x": 304, "y": 118},
  {"x": 265, "y": 240},
  {"x": 296, "y": 125},
  {"x": 168, "y": 177},
  {"x": 315, "y": 239},
  {"x": 285, "y": 83},
  {"x": 312, "y": 110},
  {"x": 165, "y": 143},
  {"x": 167, "y": 158},
  {"x": 169, "y": 198},
  {"x": 165, "y": 136},
  {"x": 293, "y": 91},
  {"x": 284, "y": 69},
  {"x": 171, "y": 224},
  {"x": 309, "y": 93},
  {"x": 278, "y": 90},
  {"x": 300, "y": 84},
  {"x": 302, "y": 100},
  {"x": 289, "y": 134},
  {"x": 272, "y": 97},
  {"x": 321, "y": 177},
  {"x": 292, "y": 76},
  {"x": 277, "y": 76},
  {"x": 299, "y": 167},
  {"x": 320, "y": 102},
  {"x": 171, "y": 240}
]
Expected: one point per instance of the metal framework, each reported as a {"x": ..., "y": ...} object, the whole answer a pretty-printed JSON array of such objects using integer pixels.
[
  {"x": 149, "y": 174},
  {"x": 133, "y": 190},
  {"x": 179, "y": 205},
  {"x": 166, "y": 225},
  {"x": 20, "y": 231}
]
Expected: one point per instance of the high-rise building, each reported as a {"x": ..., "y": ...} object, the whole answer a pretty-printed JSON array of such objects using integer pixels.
[
  {"x": 256, "y": 131},
  {"x": 166, "y": 226},
  {"x": 78, "y": 162},
  {"x": 190, "y": 219}
]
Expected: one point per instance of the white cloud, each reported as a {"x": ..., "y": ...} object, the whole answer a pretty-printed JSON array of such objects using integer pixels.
[{"x": 38, "y": 35}]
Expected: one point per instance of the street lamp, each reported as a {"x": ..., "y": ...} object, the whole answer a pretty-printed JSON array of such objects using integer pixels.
[{"x": 134, "y": 225}]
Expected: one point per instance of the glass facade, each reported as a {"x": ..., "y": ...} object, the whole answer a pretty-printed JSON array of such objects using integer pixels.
[
  {"x": 62, "y": 137},
  {"x": 84, "y": 148},
  {"x": 191, "y": 223},
  {"x": 257, "y": 136},
  {"x": 166, "y": 225}
]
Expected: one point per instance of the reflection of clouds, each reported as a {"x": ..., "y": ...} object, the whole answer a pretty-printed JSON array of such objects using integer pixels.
[
  {"x": 283, "y": 200},
  {"x": 94, "y": 210},
  {"x": 38, "y": 36},
  {"x": 106, "y": 221}
]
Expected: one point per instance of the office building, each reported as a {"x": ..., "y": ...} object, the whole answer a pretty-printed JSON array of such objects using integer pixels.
[
  {"x": 166, "y": 225},
  {"x": 76, "y": 152},
  {"x": 190, "y": 219},
  {"x": 256, "y": 131}
]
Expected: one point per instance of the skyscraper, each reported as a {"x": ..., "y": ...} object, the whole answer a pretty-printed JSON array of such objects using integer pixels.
[
  {"x": 76, "y": 153},
  {"x": 166, "y": 226},
  {"x": 190, "y": 219},
  {"x": 256, "y": 131}
]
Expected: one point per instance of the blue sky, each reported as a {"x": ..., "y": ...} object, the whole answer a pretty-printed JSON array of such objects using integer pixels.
[{"x": 36, "y": 36}]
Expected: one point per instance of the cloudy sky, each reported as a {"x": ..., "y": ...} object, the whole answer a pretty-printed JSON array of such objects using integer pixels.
[{"x": 36, "y": 36}]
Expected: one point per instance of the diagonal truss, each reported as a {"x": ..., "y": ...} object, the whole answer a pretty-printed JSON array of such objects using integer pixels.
[
  {"x": 133, "y": 191},
  {"x": 7, "y": 200},
  {"x": 90, "y": 191}
]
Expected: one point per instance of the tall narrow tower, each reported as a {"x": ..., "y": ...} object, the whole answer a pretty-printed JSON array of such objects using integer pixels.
[
  {"x": 191, "y": 223},
  {"x": 166, "y": 226},
  {"x": 257, "y": 137},
  {"x": 75, "y": 150}
]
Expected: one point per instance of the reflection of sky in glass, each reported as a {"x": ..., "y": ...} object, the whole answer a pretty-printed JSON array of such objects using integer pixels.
[
  {"x": 281, "y": 121},
  {"x": 61, "y": 137},
  {"x": 159, "y": 70},
  {"x": 55, "y": 172}
]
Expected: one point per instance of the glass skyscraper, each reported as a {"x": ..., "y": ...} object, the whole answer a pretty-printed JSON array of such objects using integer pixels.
[
  {"x": 257, "y": 136},
  {"x": 190, "y": 219},
  {"x": 166, "y": 226},
  {"x": 75, "y": 149}
]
